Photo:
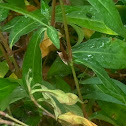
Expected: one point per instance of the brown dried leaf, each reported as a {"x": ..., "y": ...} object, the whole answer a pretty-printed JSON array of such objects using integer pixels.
[
  {"x": 73, "y": 119},
  {"x": 47, "y": 46}
]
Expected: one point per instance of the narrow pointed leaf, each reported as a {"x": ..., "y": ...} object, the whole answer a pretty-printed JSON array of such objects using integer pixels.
[
  {"x": 7, "y": 27},
  {"x": 84, "y": 16},
  {"x": 32, "y": 65},
  {"x": 35, "y": 17},
  {"x": 3, "y": 14},
  {"x": 105, "y": 51},
  {"x": 53, "y": 35},
  {"x": 110, "y": 15},
  {"x": 23, "y": 26},
  {"x": 6, "y": 88}
]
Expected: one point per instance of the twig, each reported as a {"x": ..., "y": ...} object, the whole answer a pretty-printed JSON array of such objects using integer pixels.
[
  {"x": 53, "y": 13},
  {"x": 70, "y": 57},
  {"x": 11, "y": 118},
  {"x": 11, "y": 67},
  {"x": 10, "y": 53}
]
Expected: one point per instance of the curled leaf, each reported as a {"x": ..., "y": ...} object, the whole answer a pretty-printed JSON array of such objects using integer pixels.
[{"x": 73, "y": 119}]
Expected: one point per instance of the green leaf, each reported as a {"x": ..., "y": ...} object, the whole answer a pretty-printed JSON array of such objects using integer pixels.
[
  {"x": 45, "y": 10},
  {"x": 100, "y": 115},
  {"x": 102, "y": 97},
  {"x": 108, "y": 86},
  {"x": 23, "y": 26},
  {"x": 7, "y": 27},
  {"x": 58, "y": 68},
  {"x": 17, "y": 94},
  {"x": 19, "y": 3},
  {"x": 59, "y": 83},
  {"x": 35, "y": 16},
  {"x": 3, "y": 68},
  {"x": 105, "y": 51},
  {"x": 80, "y": 33},
  {"x": 110, "y": 15},
  {"x": 84, "y": 16},
  {"x": 114, "y": 111},
  {"x": 3, "y": 14},
  {"x": 7, "y": 86},
  {"x": 53, "y": 36},
  {"x": 96, "y": 80},
  {"x": 32, "y": 65}
]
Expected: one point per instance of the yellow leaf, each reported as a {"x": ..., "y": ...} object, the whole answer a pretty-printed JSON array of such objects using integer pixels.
[
  {"x": 47, "y": 46},
  {"x": 88, "y": 33},
  {"x": 73, "y": 119}
]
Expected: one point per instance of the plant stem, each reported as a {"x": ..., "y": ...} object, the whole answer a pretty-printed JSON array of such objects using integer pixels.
[
  {"x": 66, "y": 31},
  {"x": 78, "y": 90},
  {"x": 11, "y": 67},
  {"x": 40, "y": 107},
  {"x": 70, "y": 57},
  {"x": 13, "y": 119},
  {"x": 53, "y": 13},
  {"x": 10, "y": 53}
]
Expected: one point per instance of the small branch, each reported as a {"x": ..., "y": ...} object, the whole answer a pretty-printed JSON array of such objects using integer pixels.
[
  {"x": 66, "y": 31},
  {"x": 10, "y": 53},
  {"x": 78, "y": 90},
  {"x": 53, "y": 13},
  {"x": 11, "y": 67},
  {"x": 6, "y": 122},
  {"x": 70, "y": 57},
  {"x": 11, "y": 118},
  {"x": 40, "y": 107}
]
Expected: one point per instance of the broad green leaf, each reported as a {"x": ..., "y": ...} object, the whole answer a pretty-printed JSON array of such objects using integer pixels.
[
  {"x": 74, "y": 109},
  {"x": 53, "y": 36},
  {"x": 35, "y": 16},
  {"x": 3, "y": 14},
  {"x": 17, "y": 94},
  {"x": 84, "y": 16},
  {"x": 114, "y": 111},
  {"x": 96, "y": 80},
  {"x": 45, "y": 10},
  {"x": 105, "y": 51},
  {"x": 32, "y": 65},
  {"x": 108, "y": 86},
  {"x": 100, "y": 115},
  {"x": 80, "y": 33},
  {"x": 19, "y": 3},
  {"x": 59, "y": 83},
  {"x": 58, "y": 68},
  {"x": 23, "y": 26},
  {"x": 110, "y": 15},
  {"x": 7, "y": 86},
  {"x": 78, "y": 2},
  {"x": 7, "y": 27},
  {"x": 3, "y": 68},
  {"x": 99, "y": 96}
]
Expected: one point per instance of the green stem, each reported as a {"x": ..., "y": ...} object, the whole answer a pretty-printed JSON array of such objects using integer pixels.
[
  {"x": 53, "y": 13},
  {"x": 78, "y": 90},
  {"x": 10, "y": 53},
  {"x": 11, "y": 67},
  {"x": 13, "y": 119},
  {"x": 70, "y": 56},
  {"x": 66, "y": 31},
  {"x": 40, "y": 107}
]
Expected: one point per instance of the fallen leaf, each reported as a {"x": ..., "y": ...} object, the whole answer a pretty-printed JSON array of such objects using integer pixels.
[
  {"x": 73, "y": 119},
  {"x": 47, "y": 46}
]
